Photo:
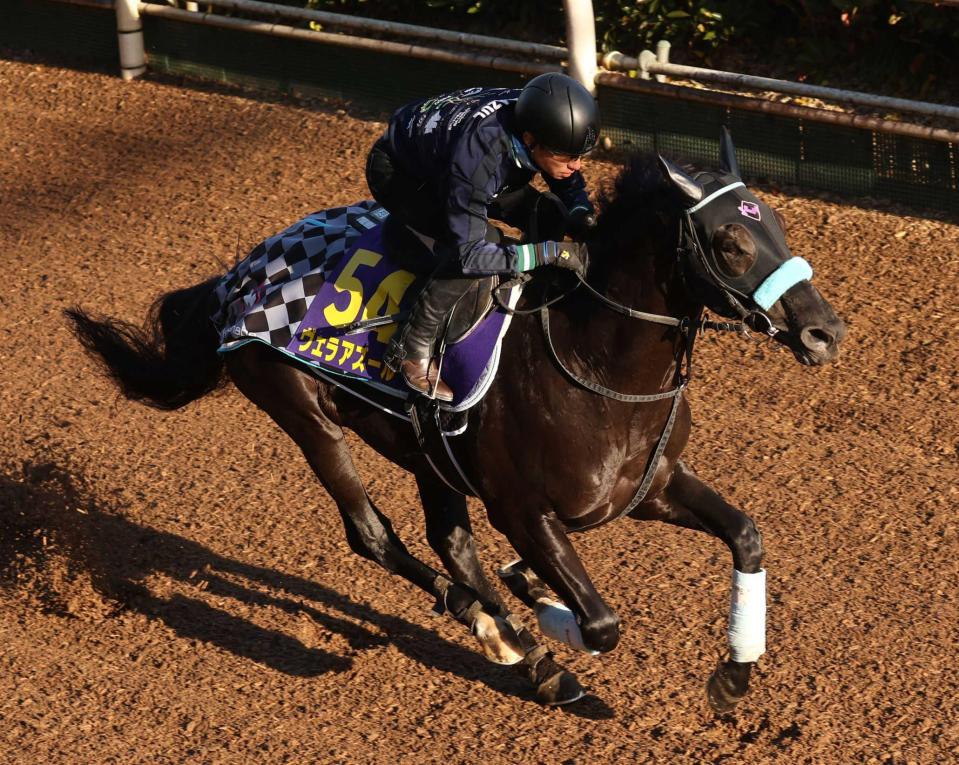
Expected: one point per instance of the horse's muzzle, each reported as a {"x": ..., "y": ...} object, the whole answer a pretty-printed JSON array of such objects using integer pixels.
[{"x": 819, "y": 344}]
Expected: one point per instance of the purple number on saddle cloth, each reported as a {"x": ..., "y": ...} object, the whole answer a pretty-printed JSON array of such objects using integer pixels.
[{"x": 365, "y": 284}]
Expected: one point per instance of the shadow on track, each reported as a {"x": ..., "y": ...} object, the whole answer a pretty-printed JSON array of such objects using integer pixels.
[{"x": 47, "y": 520}]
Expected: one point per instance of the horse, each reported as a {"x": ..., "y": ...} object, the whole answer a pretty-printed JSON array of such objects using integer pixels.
[{"x": 585, "y": 421}]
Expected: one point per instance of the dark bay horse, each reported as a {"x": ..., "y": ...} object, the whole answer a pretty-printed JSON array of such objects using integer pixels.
[{"x": 585, "y": 422}]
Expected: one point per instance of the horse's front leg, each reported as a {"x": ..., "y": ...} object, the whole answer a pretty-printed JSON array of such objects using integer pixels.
[
  {"x": 450, "y": 534},
  {"x": 689, "y": 502},
  {"x": 541, "y": 541}
]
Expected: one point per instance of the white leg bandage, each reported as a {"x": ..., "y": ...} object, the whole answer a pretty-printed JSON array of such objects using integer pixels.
[
  {"x": 747, "y": 616},
  {"x": 559, "y": 623}
]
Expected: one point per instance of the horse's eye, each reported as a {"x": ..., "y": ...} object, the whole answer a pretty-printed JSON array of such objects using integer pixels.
[{"x": 734, "y": 248}]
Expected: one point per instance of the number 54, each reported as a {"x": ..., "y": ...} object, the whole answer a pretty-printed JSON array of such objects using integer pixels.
[{"x": 385, "y": 299}]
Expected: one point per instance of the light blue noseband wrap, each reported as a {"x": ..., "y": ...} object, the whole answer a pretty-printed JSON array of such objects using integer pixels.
[{"x": 787, "y": 275}]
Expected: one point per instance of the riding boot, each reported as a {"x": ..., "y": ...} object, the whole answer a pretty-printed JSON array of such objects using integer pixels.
[{"x": 411, "y": 350}]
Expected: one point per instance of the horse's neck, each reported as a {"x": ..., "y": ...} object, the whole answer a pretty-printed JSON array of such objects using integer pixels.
[{"x": 636, "y": 355}]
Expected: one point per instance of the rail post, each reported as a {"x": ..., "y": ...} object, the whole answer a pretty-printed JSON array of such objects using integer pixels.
[
  {"x": 581, "y": 42},
  {"x": 130, "y": 39},
  {"x": 662, "y": 57}
]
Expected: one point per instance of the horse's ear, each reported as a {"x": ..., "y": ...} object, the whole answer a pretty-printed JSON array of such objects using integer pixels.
[
  {"x": 686, "y": 185},
  {"x": 727, "y": 154}
]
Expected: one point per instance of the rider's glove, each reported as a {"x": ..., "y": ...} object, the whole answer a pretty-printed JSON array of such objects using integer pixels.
[
  {"x": 580, "y": 222},
  {"x": 571, "y": 255}
]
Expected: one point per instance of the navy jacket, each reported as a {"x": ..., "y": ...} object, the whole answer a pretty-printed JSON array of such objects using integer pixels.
[{"x": 464, "y": 145}]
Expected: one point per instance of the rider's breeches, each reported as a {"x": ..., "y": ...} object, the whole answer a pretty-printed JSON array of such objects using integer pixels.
[{"x": 416, "y": 338}]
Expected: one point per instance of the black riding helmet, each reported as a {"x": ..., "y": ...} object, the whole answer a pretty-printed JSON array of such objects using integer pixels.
[{"x": 560, "y": 113}]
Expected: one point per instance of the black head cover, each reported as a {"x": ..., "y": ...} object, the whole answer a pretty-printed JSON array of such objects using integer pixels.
[{"x": 717, "y": 200}]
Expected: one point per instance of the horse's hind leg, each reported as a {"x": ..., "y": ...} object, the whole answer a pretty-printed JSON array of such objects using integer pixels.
[
  {"x": 291, "y": 397},
  {"x": 689, "y": 502},
  {"x": 450, "y": 534}
]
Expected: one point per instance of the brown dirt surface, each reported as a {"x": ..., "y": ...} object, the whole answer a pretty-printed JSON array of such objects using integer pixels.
[{"x": 177, "y": 588}]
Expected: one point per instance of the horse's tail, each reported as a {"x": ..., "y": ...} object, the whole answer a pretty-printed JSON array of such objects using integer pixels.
[{"x": 168, "y": 363}]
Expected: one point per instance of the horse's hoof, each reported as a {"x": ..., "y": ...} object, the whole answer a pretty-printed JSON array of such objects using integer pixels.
[
  {"x": 722, "y": 693},
  {"x": 498, "y": 639},
  {"x": 558, "y": 689}
]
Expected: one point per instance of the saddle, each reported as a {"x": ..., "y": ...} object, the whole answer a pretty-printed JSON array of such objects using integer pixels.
[
  {"x": 324, "y": 293},
  {"x": 417, "y": 253},
  {"x": 470, "y": 310}
]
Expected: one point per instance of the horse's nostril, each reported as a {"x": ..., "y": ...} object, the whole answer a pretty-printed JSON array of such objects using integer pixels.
[{"x": 817, "y": 338}]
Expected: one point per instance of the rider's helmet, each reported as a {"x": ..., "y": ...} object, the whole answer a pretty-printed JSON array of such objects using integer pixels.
[{"x": 560, "y": 113}]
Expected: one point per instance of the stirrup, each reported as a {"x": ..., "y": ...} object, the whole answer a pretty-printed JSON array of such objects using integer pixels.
[{"x": 394, "y": 355}]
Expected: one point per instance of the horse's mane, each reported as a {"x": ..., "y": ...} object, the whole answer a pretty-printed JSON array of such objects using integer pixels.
[{"x": 639, "y": 197}]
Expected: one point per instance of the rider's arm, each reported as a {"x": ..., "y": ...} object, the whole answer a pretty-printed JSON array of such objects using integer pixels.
[{"x": 476, "y": 175}]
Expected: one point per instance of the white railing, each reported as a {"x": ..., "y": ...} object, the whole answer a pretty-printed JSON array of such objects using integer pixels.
[
  {"x": 133, "y": 58},
  {"x": 393, "y": 28},
  {"x": 648, "y": 63},
  {"x": 489, "y": 61},
  {"x": 526, "y": 58}
]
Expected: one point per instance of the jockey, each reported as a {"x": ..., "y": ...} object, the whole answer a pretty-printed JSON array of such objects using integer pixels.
[{"x": 447, "y": 164}]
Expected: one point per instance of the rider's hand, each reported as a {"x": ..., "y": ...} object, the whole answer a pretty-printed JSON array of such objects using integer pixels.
[
  {"x": 580, "y": 222},
  {"x": 571, "y": 255}
]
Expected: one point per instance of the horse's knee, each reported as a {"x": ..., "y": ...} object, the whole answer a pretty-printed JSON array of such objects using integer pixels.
[
  {"x": 450, "y": 544},
  {"x": 367, "y": 546},
  {"x": 601, "y": 633},
  {"x": 374, "y": 541},
  {"x": 361, "y": 544},
  {"x": 748, "y": 546}
]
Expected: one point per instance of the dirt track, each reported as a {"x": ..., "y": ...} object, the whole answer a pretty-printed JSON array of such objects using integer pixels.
[{"x": 177, "y": 587}]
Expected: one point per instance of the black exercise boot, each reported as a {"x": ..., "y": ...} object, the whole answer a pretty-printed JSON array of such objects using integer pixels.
[{"x": 411, "y": 350}]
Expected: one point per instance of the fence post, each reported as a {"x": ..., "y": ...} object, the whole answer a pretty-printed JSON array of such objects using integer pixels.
[
  {"x": 662, "y": 57},
  {"x": 130, "y": 39},
  {"x": 581, "y": 42}
]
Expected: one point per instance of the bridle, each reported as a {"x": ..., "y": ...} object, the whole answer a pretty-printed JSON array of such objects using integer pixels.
[{"x": 690, "y": 249}]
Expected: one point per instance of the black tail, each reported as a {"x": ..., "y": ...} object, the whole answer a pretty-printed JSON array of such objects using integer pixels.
[{"x": 172, "y": 360}]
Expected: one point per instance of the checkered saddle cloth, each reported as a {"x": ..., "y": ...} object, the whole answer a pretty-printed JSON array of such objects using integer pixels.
[{"x": 303, "y": 291}]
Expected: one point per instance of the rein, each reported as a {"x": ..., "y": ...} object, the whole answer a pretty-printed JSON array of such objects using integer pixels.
[{"x": 690, "y": 328}]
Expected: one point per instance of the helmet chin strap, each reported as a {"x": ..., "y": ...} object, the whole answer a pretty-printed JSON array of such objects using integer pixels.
[{"x": 530, "y": 147}]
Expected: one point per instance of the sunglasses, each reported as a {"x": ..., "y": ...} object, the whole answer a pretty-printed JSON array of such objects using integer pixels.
[{"x": 563, "y": 157}]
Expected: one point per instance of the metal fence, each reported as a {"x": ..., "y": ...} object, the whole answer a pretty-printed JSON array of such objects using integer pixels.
[{"x": 854, "y": 162}]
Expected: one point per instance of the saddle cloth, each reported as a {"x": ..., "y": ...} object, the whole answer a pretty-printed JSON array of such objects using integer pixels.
[{"x": 300, "y": 290}]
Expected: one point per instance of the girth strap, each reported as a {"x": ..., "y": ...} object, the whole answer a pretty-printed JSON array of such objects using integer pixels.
[{"x": 425, "y": 417}]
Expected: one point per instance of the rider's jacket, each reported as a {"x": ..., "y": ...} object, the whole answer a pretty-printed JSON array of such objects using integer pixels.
[{"x": 465, "y": 147}]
